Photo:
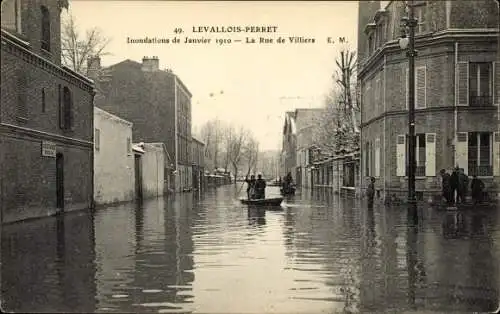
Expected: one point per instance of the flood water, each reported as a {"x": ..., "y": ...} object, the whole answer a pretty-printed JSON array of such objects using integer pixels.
[{"x": 210, "y": 254}]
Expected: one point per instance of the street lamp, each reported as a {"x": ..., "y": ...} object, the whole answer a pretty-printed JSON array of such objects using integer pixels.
[{"x": 408, "y": 43}]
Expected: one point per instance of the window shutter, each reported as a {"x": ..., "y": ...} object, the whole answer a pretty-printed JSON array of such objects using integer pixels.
[
  {"x": 430, "y": 154},
  {"x": 71, "y": 113},
  {"x": 22, "y": 104},
  {"x": 377, "y": 157},
  {"x": 420, "y": 87},
  {"x": 496, "y": 83},
  {"x": 463, "y": 83},
  {"x": 461, "y": 151},
  {"x": 401, "y": 156},
  {"x": 61, "y": 108},
  {"x": 407, "y": 90},
  {"x": 496, "y": 154}
]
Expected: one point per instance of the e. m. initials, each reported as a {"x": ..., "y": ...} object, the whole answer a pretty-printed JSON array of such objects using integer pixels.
[{"x": 341, "y": 40}]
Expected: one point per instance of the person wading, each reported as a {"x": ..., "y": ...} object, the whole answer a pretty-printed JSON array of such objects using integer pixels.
[
  {"x": 445, "y": 186},
  {"x": 370, "y": 192},
  {"x": 477, "y": 187},
  {"x": 250, "y": 187},
  {"x": 260, "y": 188}
]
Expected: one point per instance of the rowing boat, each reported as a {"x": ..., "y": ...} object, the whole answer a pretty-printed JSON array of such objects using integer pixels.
[{"x": 269, "y": 202}]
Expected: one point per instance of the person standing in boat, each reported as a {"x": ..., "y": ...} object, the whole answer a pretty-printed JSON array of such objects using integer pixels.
[
  {"x": 260, "y": 187},
  {"x": 250, "y": 186}
]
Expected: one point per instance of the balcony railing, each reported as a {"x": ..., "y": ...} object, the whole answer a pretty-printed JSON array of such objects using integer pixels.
[
  {"x": 480, "y": 101},
  {"x": 419, "y": 171},
  {"x": 480, "y": 170}
]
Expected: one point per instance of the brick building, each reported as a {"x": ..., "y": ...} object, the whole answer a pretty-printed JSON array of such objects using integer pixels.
[
  {"x": 456, "y": 94},
  {"x": 289, "y": 146},
  {"x": 46, "y": 117},
  {"x": 157, "y": 103}
]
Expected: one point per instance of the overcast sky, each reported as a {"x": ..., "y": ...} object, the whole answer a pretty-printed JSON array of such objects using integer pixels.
[{"x": 259, "y": 81}]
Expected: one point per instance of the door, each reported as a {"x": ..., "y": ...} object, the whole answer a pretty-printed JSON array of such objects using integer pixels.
[
  {"x": 138, "y": 177},
  {"x": 60, "y": 182}
]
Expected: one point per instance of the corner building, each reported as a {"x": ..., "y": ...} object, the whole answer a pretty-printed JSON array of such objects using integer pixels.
[
  {"x": 456, "y": 94},
  {"x": 46, "y": 117}
]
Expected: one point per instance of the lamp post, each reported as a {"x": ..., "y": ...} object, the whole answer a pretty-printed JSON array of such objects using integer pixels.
[{"x": 409, "y": 23}]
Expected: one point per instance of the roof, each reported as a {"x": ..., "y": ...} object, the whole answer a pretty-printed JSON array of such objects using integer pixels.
[{"x": 138, "y": 66}]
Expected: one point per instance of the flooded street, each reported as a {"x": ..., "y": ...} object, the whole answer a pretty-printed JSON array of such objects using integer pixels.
[{"x": 208, "y": 253}]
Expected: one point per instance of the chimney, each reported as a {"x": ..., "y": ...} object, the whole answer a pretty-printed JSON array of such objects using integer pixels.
[
  {"x": 93, "y": 67},
  {"x": 150, "y": 64}
]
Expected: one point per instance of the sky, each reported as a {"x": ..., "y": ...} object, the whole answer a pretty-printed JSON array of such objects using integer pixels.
[{"x": 252, "y": 84}]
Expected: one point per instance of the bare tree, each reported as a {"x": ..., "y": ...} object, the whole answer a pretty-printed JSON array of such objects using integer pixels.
[
  {"x": 339, "y": 127},
  {"x": 236, "y": 148},
  {"x": 76, "y": 48}
]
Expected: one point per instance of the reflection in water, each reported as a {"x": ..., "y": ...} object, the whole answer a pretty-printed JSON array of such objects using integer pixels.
[{"x": 209, "y": 253}]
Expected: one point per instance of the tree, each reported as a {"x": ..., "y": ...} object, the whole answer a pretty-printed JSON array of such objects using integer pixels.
[
  {"x": 76, "y": 49},
  {"x": 236, "y": 147},
  {"x": 338, "y": 127}
]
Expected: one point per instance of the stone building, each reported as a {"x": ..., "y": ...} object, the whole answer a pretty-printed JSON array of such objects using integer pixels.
[
  {"x": 113, "y": 159},
  {"x": 289, "y": 146},
  {"x": 456, "y": 95},
  {"x": 305, "y": 121},
  {"x": 157, "y": 103},
  {"x": 46, "y": 117}
]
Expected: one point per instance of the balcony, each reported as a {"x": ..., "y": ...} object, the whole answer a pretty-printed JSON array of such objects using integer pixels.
[
  {"x": 480, "y": 170},
  {"x": 480, "y": 101},
  {"x": 419, "y": 171}
]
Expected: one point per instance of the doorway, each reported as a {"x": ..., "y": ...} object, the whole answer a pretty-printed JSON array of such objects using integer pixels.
[
  {"x": 138, "y": 177},
  {"x": 60, "y": 182}
]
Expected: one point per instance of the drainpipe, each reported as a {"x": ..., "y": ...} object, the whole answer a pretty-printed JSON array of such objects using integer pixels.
[
  {"x": 385, "y": 118},
  {"x": 455, "y": 109},
  {"x": 176, "y": 134}
]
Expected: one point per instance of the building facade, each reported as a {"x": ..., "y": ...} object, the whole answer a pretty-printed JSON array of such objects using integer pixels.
[
  {"x": 198, "y": 163},
  {"x": 305, "y": 120},
  {"x": 289, "y": 146},
  {"x": 158, "y": 104},
  {"x": 456, "y": 95},
  {"x": 46, "y": 117},
  {"x": 113, "y": 159},
  {"x": 149, "y": 167}
]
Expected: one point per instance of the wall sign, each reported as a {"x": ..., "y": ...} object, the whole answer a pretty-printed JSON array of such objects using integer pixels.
[{"x": 48, "y": 149}]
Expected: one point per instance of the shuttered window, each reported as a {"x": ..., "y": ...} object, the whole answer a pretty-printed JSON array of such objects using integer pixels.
[
  {"x": 97, "y": 139},
  {"x": 420, "y": 87},
  {"x": 430, "y": 154},
  {"x": 22, "y": 94},
  {"x": 463, "y": 83},
  {"x": 461, "y": 151},
  {"x": 496, "y": 154},
  {"x": 401, "y": 155},
  {"x": 377, "y": 157},
  {"x": 496, "y": 83}
]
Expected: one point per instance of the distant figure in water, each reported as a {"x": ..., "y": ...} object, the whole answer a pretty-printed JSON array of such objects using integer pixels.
[
  {"x": 260, "y": 187},
  {"x": 370, "y": 192},
  {"x": 250, "y": 187}
]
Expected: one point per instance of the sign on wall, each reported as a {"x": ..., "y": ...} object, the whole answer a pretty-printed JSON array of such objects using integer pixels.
[{"x": 48, "y": 149}]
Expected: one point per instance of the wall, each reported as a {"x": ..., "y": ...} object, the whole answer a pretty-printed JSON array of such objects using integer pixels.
[
  {"x": 153, "y": 165},
  {"x": 29, "y": 194},
  {"x": 113, "y": 162}
]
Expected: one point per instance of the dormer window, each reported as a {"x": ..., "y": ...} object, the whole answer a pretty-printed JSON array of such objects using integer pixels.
[
  {"x": 420, "y": 15},
  {"x": 11, "y": 15},
  {"x": 45, "y": 28}
]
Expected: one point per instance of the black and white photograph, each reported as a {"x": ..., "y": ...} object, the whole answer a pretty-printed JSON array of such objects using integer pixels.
[{"x": 285, "y": 157}]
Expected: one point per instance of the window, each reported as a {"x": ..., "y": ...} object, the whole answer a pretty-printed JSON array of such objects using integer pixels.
[
  {"x": 370, "y": 44},
  {"x": 129, "y": 146},
  {"x": 420, "y": 151},
  {"x": 420, "y": 14},
  {"x": 45, "y": 28},
  {"x": 43, "y": 99},
  {"x": 65, "y": 109},
  {"x": 481, "y": 84},
  {"x": 367, "y": 159},
  {"x": 22, "y": 94},
  {"x": 97, "y": 139},
  {"x": 480, "y": 154},
  {"x": 11, "y": 15}
]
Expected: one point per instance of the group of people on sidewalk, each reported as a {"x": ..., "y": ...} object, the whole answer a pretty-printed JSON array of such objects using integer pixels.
[
  {"x": 455, "y": 187},
  {"x": 256, "y": 188}
]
